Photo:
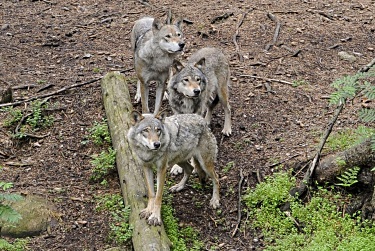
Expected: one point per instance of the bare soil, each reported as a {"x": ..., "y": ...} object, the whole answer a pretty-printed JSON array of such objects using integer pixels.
[{"x": 55, "y": 44}]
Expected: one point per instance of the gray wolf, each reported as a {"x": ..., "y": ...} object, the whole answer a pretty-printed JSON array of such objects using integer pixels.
[
  {"x": 200, "y": 85},
  {"x": 155, "y": 45},
  {"x": 160, "y": 141}
]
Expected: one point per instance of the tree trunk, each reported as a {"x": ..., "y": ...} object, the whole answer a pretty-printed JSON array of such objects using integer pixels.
[
  {"x": 117, "y": 104},
  {"x": 332, "y": 166}
]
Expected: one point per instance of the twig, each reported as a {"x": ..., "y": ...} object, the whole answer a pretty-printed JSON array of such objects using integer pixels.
[
  {"x": 268, "y": 79},
  {"x": 368, "y": 66},
  {"x": 51, "y": 93},
  {"x": 283, "y": 161},
  {"x": 239, "y": 55},
  {"x": 294, "y": 52},
  {"x": 222, "y": 17},
  {"x": 307, "y": 178},
  {"x": 239, "y": 204},
  {"x": 276, "y": 33}
]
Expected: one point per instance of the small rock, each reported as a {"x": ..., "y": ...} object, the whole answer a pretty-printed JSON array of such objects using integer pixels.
[
  {"x": 87, "y": 55},
  {"x": 346, "y": 56},
  {"x": 5, "y": 26},
  {"x": 370, "y": 48}
]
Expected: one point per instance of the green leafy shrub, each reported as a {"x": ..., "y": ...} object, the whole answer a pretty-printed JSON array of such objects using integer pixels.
[
  {"x": 351, "y": 86},
  {"x": 183, "y": 239},
  {"x": 121, "y": 232},
  {"x": 7, "y": 213},
  {"x": 103, "y": 164},
  {"x": 349, "y": 177},
  {"x": 99, "y": 133},
  {"x": 17, "y": 245},
  {"x": 315, "y": 225}
]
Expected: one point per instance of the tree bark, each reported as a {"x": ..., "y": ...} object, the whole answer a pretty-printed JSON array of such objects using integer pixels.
[
  {"x": 117, "y": 104},
  {"x": 329, "y": 167}
]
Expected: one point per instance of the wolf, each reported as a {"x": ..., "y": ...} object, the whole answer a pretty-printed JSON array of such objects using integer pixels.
[
  {"x": 160, "y": 141},
  {"x": 155, "y": 46},
  {"x": 200, "y": 85}
]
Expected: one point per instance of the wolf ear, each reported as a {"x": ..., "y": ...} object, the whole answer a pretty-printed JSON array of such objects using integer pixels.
[
  {"x": 162, "y": 115},
  {"x": 201, "y": 64},
  {"x": 177, "y": 66},
  {"x": 135, "y": 117},
  {"x": 179, "y": 24},
  {"x": 156, "y": 26}
]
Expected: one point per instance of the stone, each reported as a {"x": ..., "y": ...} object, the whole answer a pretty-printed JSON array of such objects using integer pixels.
[{"x": 36, "y": 213}]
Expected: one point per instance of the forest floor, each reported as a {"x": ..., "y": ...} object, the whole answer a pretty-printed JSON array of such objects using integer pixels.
[{"x": 48, "y": 45}]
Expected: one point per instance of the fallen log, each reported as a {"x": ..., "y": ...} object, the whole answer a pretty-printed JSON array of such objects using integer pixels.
[
  {"x": 117, "y": 104},
  {"x": 332, "y": 166}
]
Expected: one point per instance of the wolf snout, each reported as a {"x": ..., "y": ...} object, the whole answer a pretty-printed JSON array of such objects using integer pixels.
[
  {"x": 197, "y": 92},
  {"x": 157, "y": 144},
  {"x": 181, "y": 45}
]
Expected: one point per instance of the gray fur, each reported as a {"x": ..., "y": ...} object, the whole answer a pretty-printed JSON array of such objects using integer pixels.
[
  {"x": 211, "y": 67},
  {"x": 181, "y": 138},
  {"x": 155, "y": 46}
]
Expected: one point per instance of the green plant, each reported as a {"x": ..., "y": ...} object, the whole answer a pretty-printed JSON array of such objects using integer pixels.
[
  {"x": 351, "y": 86},
  {"x": 7, "y": 213},
  {"x": 120, "y": 229},
  {"x": 99, "y": 133},
  {"x": 29, "y": 120},
  {"x": 183, "y": 239},
  {"x": 297, "y": 83},
  {"x": 103, "y": 164},
  {"x": 346, "y": 138},
  {"x": 315, "y": 225},
  {"x": 349, "y": 177},
  {"x": 228, "y": 166},
  {"x": 14, "y": 116},
  {"x": 17, "y": 245}
]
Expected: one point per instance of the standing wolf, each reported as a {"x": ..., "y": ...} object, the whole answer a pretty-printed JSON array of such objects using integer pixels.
[
  {"x": 198, "y": 86},
  {"x": 154, "y": 46},
  {"x": 160, "y": 141}
]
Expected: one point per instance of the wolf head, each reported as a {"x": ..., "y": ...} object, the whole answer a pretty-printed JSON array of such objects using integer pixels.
[
  {"x": 169, "y": 36},
  {"x": 188, "y": 80},
  {"x": 147, "y": 130}
]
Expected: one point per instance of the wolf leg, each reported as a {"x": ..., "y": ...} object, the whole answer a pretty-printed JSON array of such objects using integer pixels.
[
  {"x": 207, "y": 165},
  {"x": 160, "y": 89},
  {"x": 155, "y": 217},
  {"x": 137, "y": 97},
  {"x": 144, "y": 95},
  {"x": 187, "y": 172},
  {"x": 223, "y": 94},
  {"x": 149, "y": 176}
]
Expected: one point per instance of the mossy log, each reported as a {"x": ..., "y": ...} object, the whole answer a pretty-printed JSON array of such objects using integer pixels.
[
  {"x": 332, "y": 166},
  {"x": 117, "y": 104}
]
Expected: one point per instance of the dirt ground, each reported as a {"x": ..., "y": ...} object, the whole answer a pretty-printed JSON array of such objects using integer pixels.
[{"x": 48, "y": 45}]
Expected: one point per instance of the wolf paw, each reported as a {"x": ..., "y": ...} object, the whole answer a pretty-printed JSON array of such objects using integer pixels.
[
  {"x": 215, "y": 203},
  {"x": 176, "y": 169},
  {"x": 137, "y": 98},
  {"x": 154, "y": 220},
  {"x": 145, "y": 213},
  {"x": 227, "y": 132},
  {"x": 176, "y": 188},
  {"x": 166, "y": 96}
]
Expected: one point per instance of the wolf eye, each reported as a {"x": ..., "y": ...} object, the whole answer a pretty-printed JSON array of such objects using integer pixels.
[
  {"x": 168, "y": 36},
  {"x": 178, "y": 34},
  {"x": 198, "y": 79},
  {"x": 158, "y": 131}
]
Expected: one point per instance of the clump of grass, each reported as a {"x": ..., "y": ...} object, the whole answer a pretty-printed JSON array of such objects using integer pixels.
[{"x": 315, "y": 225}]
